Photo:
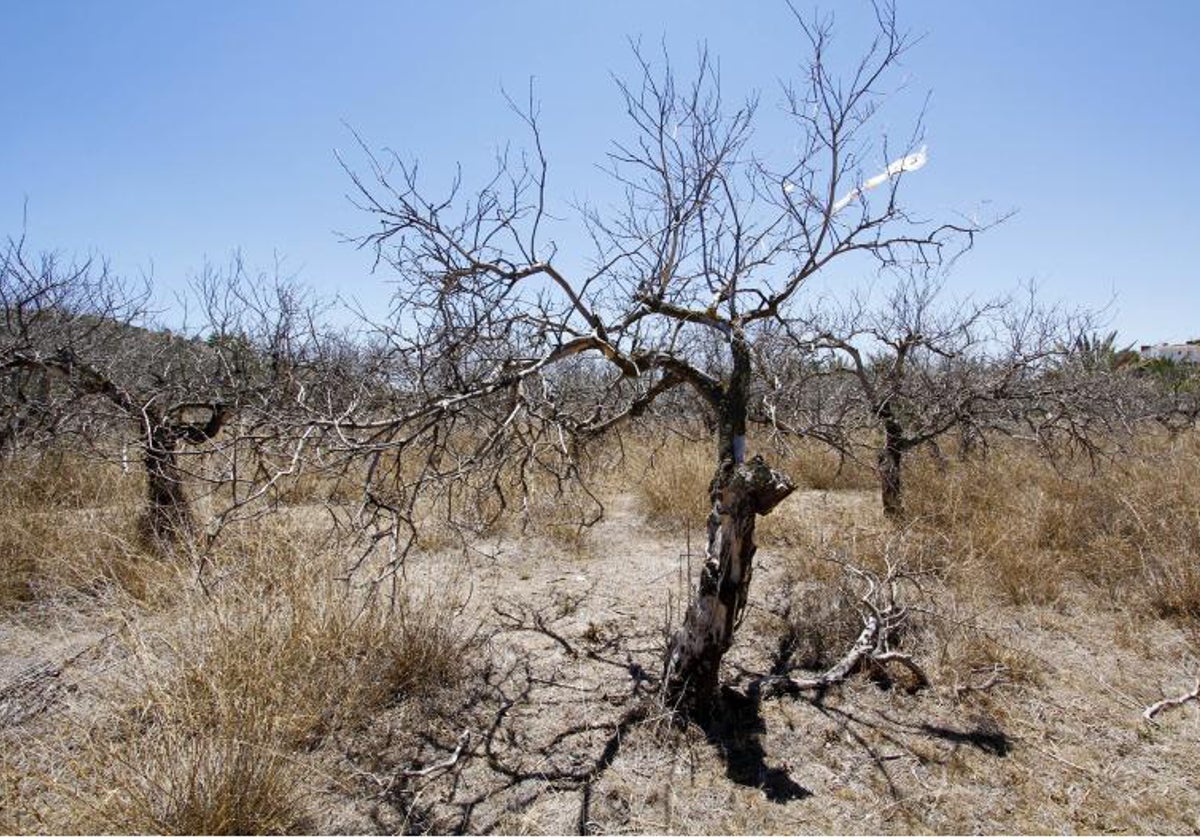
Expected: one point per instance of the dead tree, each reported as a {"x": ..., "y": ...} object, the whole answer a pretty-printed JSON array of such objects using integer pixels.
[
  {"x": 711, "y": 244},
  {"x": 879, "y": 379},
  {"x": 76, "y": 344}
]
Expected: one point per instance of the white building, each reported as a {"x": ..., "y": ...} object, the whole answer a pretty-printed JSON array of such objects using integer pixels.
[{"x": 1185, "y": 353}]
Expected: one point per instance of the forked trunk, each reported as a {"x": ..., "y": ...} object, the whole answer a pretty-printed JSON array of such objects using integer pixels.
[
  {"x": 168, "y": 512},
  {"x": 740, "y": 492}
]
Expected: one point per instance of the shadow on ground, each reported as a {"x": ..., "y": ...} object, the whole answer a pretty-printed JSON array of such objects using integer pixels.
[{"x": 737, "y": 734}]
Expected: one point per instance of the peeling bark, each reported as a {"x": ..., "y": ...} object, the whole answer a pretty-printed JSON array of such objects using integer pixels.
[{"x": 740, "y": 492}]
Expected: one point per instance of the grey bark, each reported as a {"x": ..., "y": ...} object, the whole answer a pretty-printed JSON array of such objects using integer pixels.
[{"x": 740, "y": 493}]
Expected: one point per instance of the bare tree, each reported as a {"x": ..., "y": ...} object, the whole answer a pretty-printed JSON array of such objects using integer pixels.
[
  {"x": 710, "y": 245},
  {"x": 890, "y": 376},
  {"x": 46, "y": 303},
  {"x": 80, "y": 358}
]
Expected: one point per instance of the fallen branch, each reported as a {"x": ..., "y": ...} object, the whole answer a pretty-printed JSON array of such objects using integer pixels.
[
  {"x": 867, "y": 649},
  {"x": 997, "y": 676},
  {"x": 444, "y": 764},
  {"x": 904, "y": 659},
  {"x": 883, "y": 618},
  {"x": 848, "y": 664},
  {"x": 1170, "y": 703}
]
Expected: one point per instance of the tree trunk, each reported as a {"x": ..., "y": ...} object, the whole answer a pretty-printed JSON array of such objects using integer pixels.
[
  {"x": 890, "y": 463},
  {"x": 168, "y": 518},
  {"x": 891, "y": 488},
  {"x": 740, "y": 492}
]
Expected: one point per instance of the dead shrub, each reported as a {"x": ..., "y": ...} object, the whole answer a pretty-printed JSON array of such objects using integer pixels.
[
  {"x": 823, "y": 602},
  {"x": 817, "y": 624}
]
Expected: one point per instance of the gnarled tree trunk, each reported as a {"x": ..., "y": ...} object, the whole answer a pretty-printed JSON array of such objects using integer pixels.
[
  {"x": 890, "y": 463},
  {"x": 168, "y": 517},
  {"x": 740, "y": 492},
  {"x": 890, "y": 481}
]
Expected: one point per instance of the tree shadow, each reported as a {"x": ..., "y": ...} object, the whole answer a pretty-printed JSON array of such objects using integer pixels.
[
  {"x": 736, "y": 731},
  {"x": 984, "y": 736}
]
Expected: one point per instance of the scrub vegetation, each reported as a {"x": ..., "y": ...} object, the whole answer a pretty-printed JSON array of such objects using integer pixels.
[{"x": 668, "y": 546}]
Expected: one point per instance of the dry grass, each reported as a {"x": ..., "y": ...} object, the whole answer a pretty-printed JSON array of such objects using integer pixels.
[
  {"x": 69, "y": 530},
  {"x": 206, "y": 726},
  {"x": 1016, "y": 525},
  {"x": 672, "y": 476},
  {"x": 671, "y": 479},
  {"x": 62, "y": 480},
  {"x": 815, "y": 466},
  {"x": 217, "y": 745},
  {"x": 1046, "y": 609}
]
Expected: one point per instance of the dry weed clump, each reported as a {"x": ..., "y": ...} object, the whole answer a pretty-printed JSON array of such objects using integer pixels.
[
  {"x": 211, "y": 726},
  {"x": 817, "y": 467},
  {"x": 1026, "y": 529},
  {"x": 815, "y": 623},
  {"x": 59, "y": 479},
  {"x": 223, "y": 771},
  {"x": 316, "y": 485},
  {"x": 281, "y": 627},
  {"x": 68, "y": 530},
  {"x": 671, "y": 478},
  {"x": 988, "y": 512}
]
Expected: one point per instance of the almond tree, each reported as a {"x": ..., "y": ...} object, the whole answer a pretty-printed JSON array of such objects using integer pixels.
[
  {"x": 710, "y": 240},
  {"x": 883, "y": 378},
  {"x": 79, "y": 359},
  {"x": 892, "y": 375}
]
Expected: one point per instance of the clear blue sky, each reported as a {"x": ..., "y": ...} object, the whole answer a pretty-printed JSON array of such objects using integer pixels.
[{"x": 161, "y": 133}]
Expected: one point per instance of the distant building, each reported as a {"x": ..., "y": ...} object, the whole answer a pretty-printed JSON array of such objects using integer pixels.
[{"x": 1188, "y": 353}]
